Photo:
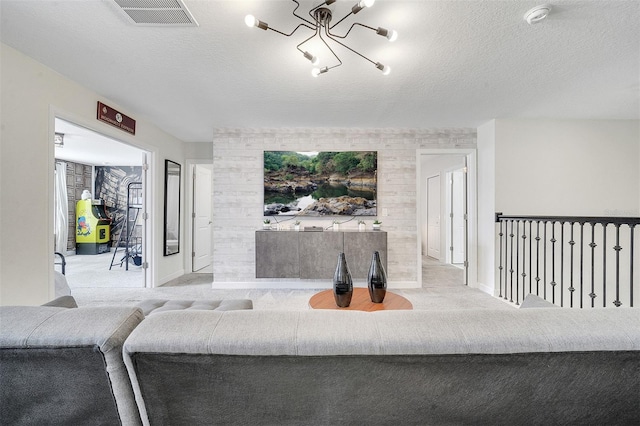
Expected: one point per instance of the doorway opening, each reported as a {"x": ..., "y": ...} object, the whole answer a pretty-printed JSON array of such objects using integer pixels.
[
  {"x": 446, "y": 219},
  {"x": 100, "y": 206}
]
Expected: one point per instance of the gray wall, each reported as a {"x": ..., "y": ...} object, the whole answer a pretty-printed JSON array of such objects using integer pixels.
[{"x": 238, "y": 189}]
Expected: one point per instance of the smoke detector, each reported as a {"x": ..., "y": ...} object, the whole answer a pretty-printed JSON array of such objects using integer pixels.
[{"x": 537, "y": 14}]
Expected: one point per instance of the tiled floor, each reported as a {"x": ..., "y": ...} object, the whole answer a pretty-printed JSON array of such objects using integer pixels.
[{"x": 93, "y": 271}]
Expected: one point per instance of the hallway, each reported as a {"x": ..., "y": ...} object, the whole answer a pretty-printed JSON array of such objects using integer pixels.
[{"x": 437, "y": 274}]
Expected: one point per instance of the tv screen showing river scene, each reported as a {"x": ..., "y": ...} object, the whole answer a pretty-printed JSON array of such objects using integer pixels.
[{"x": 320, "y": 183}]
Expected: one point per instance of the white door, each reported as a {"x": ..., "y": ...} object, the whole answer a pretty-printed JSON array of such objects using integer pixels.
[
  {"x": 202, "y": 177},
  {"x": 433, "y": 217},
  {"x": 457, "y": 218}
]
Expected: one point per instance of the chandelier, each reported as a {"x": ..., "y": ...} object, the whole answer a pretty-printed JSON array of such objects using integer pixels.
[{"x": 322, "y": 27}]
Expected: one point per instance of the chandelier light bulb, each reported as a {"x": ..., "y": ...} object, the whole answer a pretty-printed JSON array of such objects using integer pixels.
[
  {"x": 391, "y": 35},
  {"x": 384, "y": 68},
  {"x": 314, "y": 59},
  {"x": 317, "y": 71},
  {"x": 361, "y": 5},
  {"x": 250, "y": 20}
]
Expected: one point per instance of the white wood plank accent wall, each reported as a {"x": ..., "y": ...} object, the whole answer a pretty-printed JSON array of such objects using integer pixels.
[{"x": 238, "y": 189}]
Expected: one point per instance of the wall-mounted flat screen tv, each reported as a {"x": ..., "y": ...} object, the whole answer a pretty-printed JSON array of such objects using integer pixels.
[{"x": 320, "y": 183}]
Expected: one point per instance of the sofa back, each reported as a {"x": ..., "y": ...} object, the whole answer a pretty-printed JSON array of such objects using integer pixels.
[
  {"x": 537, "y": 366},
  {"x": 64, "y": 366}
]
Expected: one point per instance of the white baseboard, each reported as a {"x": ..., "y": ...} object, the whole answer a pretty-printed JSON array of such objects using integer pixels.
[
  {"x": 486, "y": 288},
  {"x": 170, "y": 277},
  {"x": 403, "y": 284}
]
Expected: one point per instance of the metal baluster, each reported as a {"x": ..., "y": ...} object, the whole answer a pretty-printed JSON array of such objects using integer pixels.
[
  {"x": 581, "y": 261},
  {"x": 593, "y": 246},
  {"x": 506, "y": 244},
  {"x": 524, "y": 258},
  {"x": 537, "y": 258},
  {"x": 604, "y": 265},
  {"x": 544, "y": 265},
  {"x": 500, "y": 259},
  {"x": 561, "y": 264},
  {"x": 617, "y": 248},
  {"x": 511, "y": 266},
  {"x": 530, "y": 254},
  {"x": 517, "y": 261},
  {"x": 631, "y": 229},
  {"x": 571, "y": 288},
  {"x": 553, "y": 262}
]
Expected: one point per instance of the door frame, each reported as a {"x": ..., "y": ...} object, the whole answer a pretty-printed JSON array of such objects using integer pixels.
[
  {"x": 191, "y": 163},
  {"x": 472, "y": 209},
  {"x": 428, "y": 207},
  {"x": 449, "y": 224},
  {"x": 150, "y": 252}
]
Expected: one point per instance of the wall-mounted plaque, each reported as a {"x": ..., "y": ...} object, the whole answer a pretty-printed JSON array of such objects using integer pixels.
[{"x": 116, "y": 118}]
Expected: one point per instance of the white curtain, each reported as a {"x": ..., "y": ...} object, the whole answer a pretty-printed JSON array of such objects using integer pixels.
[{"x": 61, "y": 218}]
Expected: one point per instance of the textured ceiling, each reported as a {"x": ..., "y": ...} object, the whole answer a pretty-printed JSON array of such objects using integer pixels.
[
  {"x": 455, "y": 63},
  {"x": 88, "y": 147}
]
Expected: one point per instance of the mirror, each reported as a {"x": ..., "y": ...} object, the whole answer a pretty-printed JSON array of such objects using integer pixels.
[{"x": 171, "y": 207}]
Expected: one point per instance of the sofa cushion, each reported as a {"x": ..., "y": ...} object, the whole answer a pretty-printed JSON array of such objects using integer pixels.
[
  {"x": 64, "y": 366},
  {"x": 63, "y": 302},
  {"x": 151, "y": 306},
  {"x": 61, "y": 285}
]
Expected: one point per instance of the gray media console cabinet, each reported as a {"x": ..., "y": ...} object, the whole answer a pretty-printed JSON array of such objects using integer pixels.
[{"x": 314, "y": 255}]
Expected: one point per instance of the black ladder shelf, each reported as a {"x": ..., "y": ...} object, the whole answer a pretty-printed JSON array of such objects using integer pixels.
[{"x": 130, "y": 243}]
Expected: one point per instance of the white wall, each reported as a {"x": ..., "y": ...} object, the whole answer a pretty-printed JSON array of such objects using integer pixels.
[
  {"x": 198, "y": 150},
  {"x": 486, "y": 206},
  {"x": 238, "y": 190},
  {"x": 567, "y": 167},
  {"x": 32, "y": 95},
  {"x": 554, "y": 167}
]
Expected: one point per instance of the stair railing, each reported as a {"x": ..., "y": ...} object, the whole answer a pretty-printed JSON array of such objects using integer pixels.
[{"x": 570, "y": 261}]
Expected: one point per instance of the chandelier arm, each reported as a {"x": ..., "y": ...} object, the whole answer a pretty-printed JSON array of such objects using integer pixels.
[
  {"x": 291, "y": 33},
  {"x": 329, "y": 47},
  {"x": 343, "y": 18},
  {"x": 298, "y": 16},
  {"x": 345, "y": 36},
  {"x": 306, "y": 40},
  {"x": 354, "y": 51}
]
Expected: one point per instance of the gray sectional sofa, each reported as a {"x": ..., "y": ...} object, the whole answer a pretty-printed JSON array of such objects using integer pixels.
[
  {"x": 193, "y": 367},
  {"x": 527, "y": 366},
  {"x": 63, "y": 366}
]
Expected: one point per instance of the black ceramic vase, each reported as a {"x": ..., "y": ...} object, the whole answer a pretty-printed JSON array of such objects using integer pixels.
[
  {"x": 342, "y": 283},
  {"x": 377, "y": 279}
]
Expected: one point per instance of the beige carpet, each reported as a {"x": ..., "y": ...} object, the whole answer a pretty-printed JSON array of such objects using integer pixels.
[
  {"x": 93, "y": 284},
  {"x": 198, "y": 287}
]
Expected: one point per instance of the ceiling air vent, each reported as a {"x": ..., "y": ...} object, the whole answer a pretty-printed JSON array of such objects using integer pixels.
[{"x": 157, "y": 12}]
